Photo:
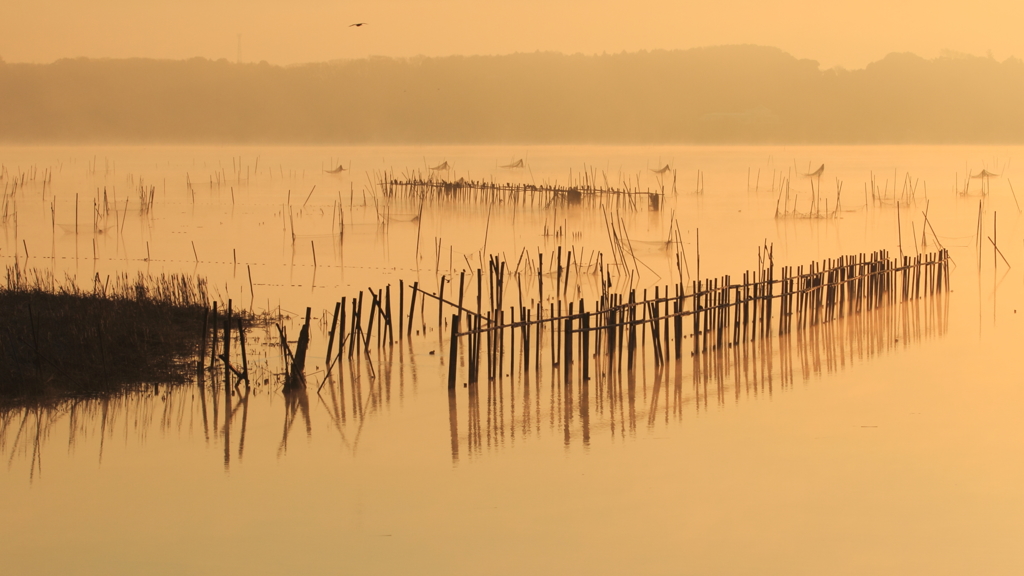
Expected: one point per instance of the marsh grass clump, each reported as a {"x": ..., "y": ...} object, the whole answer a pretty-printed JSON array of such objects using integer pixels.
[{"x": 58, "y": 339}]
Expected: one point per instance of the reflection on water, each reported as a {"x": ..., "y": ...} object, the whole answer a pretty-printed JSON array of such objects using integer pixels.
[
  {"x": 536, "y": 403},
  {"x": 296, "y": 404},
  {"x": 858, "y": 423},
  {"x": 617, "y": 398}
]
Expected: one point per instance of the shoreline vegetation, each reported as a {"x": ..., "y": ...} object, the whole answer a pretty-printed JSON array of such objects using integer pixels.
[
  {"x": 59, "y": 340},
  {"x": 714, "y": 95}
]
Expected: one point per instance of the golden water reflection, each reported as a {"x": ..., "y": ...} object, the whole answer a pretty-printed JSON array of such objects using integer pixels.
[{"x": 533, "y": 404}]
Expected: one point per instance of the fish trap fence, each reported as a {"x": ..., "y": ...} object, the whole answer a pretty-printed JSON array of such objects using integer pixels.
[{"x": 705, "y": 316}]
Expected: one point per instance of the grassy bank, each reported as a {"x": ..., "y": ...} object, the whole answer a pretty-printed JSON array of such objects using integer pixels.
[{"x": 60, "y": 339}]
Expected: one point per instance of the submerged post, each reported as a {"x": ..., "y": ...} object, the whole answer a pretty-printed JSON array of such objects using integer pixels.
[
  {"x": 202, "y": 347},
  {"x": 412, "y": 305},
  {"x": 586, "y": 347},
  {"x": 453, "y": 352},
  {"x": 241, "y": 346},
  {"x": 297, "y": 377},
  {"x": 227, "y": 347}
]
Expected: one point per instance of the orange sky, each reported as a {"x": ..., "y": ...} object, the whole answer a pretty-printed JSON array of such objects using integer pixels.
[{"x": 848, "y": 34}]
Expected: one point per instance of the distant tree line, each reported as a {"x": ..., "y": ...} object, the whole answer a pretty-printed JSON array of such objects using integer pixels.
[{"x": 728, "y": 94}]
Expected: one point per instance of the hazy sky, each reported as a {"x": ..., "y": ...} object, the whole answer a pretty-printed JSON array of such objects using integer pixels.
[{"x": 845, "y": 33}]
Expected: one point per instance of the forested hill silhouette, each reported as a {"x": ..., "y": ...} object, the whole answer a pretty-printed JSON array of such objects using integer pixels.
[{"x": 728, "y": 94}]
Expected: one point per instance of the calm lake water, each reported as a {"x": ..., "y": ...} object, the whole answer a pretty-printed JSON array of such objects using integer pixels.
[{"x": 888, "y": 442}]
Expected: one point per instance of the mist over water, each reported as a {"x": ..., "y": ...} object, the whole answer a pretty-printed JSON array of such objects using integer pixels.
[{"x": 714, "y": 95}]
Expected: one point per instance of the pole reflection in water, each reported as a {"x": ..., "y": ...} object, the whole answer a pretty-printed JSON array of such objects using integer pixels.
[
  {"x": 353, "y": 392},
  {"x": 296, "y": 402},
  {"x": 746, "y": 369},
  {"x": 453, "y": 423}
]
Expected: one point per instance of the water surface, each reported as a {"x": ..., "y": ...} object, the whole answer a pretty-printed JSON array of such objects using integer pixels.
[{"x": 883, "y": 443}]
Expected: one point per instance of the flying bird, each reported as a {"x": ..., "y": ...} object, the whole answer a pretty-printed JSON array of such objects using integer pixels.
[{"x": 357, "y": 24}]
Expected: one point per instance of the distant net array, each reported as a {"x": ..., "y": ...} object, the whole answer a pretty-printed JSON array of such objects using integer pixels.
[{"x": 584, "y": 188}]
